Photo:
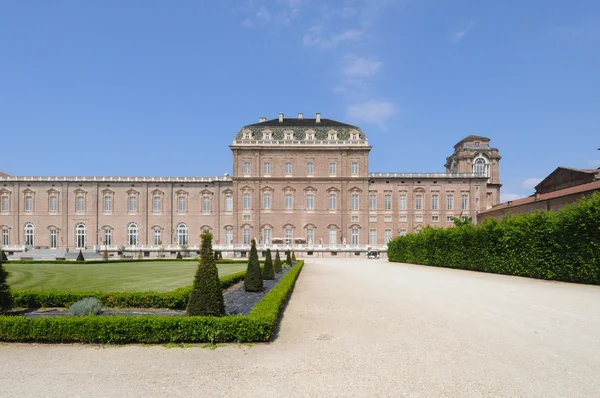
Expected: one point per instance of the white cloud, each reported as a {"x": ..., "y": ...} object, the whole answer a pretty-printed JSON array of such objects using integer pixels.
[
  {"x": 353, "y": 66},
  {"x": 315, "y": 37},
  {"x": 282, "y": 12},
  {"x": 458, "y": 36},
  {"x": 377, "y": 112},
  {"x": 505, "y": 197},
  {"x": 531, "y": 182}
]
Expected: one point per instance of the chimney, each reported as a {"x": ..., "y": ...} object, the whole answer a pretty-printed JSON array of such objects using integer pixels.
[
  {"x": 262, "y": 119},
  {"x": 281, "y": 118},
  {"x": 300, "y": 116},
  {"x": 318, "y": 119}
]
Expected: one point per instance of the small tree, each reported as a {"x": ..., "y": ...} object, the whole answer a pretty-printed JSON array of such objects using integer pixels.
[
  {"x": 5, "y": 295},
  {"x": 207, "y": 295},
  {"x": 253, "y": 280},
  {"x": 178, "y": 256},
  {"x": 268, "y": 272},
  {"x": 80, "y": 257},
  {"x": 462, "y": 220},
  {"x": 288, "y": 259},
  {"x": 3, "y": 256},
  {"x": 277, "y": 265},
  {"x": 293, "y": 256}
]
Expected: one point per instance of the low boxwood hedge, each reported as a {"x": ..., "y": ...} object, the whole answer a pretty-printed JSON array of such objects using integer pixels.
[
  {"x": 122, "y": 260},
  {"x": 255, "y": 327}
]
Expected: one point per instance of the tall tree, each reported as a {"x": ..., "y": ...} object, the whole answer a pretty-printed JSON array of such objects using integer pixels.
[
  {"x": 5, "y": 294},
  {"x": 268, "y": 272},
  {"x": 277, "y": 265},
  {"x": 207, "y": 295},
  {"x": 253, "y": 281},
  {"x": 288, "y": 259}
]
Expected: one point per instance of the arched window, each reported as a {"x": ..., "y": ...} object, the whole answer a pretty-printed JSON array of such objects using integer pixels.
[
  {"x": 133, "y": 234},
  {"x": 29, "y": 234},
  {"x": 480, "y": 167},
  {"x": 80, "y": 236},
  {"x": 181, "y": 234}
]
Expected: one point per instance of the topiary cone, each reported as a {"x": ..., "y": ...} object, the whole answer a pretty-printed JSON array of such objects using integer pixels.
[
  {"x": 288, "y": 259},
  {"x": 5, "y": 294},
  {"x": 207, "y": 296},
  {"x": 253, "y": 280},
  {"x": 3, "y": 256},
  {"x": 293, "y": 256},
  {"x": 268, "y": 272},
  {"x": 80, "y": 257},
  {"x": 178, "y": 256},
  {"x": 277, "y": 265}
]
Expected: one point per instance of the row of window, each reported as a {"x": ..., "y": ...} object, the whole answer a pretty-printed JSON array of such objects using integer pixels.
[
  {"x": 332, "y": 136},
  {"x": 310, "y": 168},
  {"x": 418, "y": 219},
  {"x": 435, "y": 202}
]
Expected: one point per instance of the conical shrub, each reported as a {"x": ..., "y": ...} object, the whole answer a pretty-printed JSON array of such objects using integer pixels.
[
  {"x": 178, "y": 256},
  {"x": 5, "y": 295},
  {"x": 207, "y": 295},
  {"x": 3, "y": 256},
  {"x": 80, "y": 257},
  {"x": 253, "y": 281},
  {"x": 293, "y": 256},
  {"x": 268, "y": 272},
  {"x": 288, "y": 259},
  {"x": 277, "y": 264}
]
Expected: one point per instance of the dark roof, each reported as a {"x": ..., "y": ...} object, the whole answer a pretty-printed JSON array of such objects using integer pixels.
[
  {"x": 473, "y": 137},
  {"x": 293, "y": 122}
]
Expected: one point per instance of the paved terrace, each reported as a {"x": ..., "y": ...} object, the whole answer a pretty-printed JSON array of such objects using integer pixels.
[{"x": 357, "y": 327}]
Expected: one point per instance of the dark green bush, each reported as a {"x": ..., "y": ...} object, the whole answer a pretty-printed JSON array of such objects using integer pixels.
[
  {"x": 277, "y": 265},
  {"x": 124, "y": 260},
  {"x": 268, "y": 273},
  {"x": 6, "y": 299},
  {"x": 179, "y": 257},
  {"x": 258, "y": 326},
  {"x": 3, "y": 256},
  {"x": 80, "y": 258},
  {"x": 294, "y": 257},
  {"x": 207, "y": 296},
  {"x": 288, "y": 259},
  {"x": 563, "y": 245},
  {"x": 253, "y": 281}
]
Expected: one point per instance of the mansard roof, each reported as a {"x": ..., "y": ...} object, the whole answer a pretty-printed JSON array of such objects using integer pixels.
[{"x": 307, "y": 123}]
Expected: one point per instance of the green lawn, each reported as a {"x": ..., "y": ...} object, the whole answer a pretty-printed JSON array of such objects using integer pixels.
[{"x": 111, "y": 277}]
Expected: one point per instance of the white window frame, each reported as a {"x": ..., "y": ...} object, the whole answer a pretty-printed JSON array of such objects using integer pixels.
[
  {"x": 354, "y": 219},
  {"x": 402, "y": 202},
  {"x": 332, "y": 236},
  {"x": 107, "y": 204},
  {"x": 29, "y": 204},
  {"x": 450, "y": 201},
  {"x": 310, "y": 201},
  {"x": 181, "y": 204},
  {"x": 465, "y": 201},
  {"x": 402, "y": 219},
  {"x": 267, "y": 168},
  {"x": 228, "y": 203},
  {"x": 332, "y": 169},
  {"x": 156, "y": 236},
  {"x": 108, "y": 237},
  {"x": 29, "y": 234},
  {"x": 310, "y": 236},
  {"x": 80, "y": 236},
  {"x": 355, "y": 239},
  {"x": 387, "y": 219},
  {"x": 229, "y": 236},
  {"x": 387, "y": 236},
  {"x": 80, "y": 204},
  {"x": 247, "y": 200},
  {"x": 435, "y": 202},
  {"x": 53, "y": 204},
  {"x": 288, "y": 235},
  {"x": 419, "y": 201},
  {"x": 372, "y": 218},
  {"x": 247, "y": 168},
  {"x": 418, "y": 219},
  {"x": 53, "y": 243},
  {"x": 5, "y": 207},
  {"x": 267, "y": 235},
  {"x": 310, "y": 168},
  {"x": 182, "y": 234},
  {"x": 5, "y": 237},
  {"x": 332, "y": 201},
  {"x": 288, "y": 200},
  {"x": 157, "y": 204},
  {"x": 372, "y": 201},
  {"x": 387, "y": 202},
  {"x": 354, "y": 201},
  {"x": 246, "y": 235},
  {"x": 133, "y": 234},
  {"x": 206, "y": 205},
  {"x": 354, "y": 168},
  {"x": 267, "y": 200},
  {"x": 289, "y": 168},
  {"x": 373, "y": 236},
  {"x": 132, "y": 204}
]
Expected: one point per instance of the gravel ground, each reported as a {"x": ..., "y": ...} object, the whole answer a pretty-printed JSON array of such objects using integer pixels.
[{"x": 357, "y": 327}]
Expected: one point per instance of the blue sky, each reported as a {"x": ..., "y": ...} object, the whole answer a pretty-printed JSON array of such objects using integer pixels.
[{"x": 160, "y": 88}]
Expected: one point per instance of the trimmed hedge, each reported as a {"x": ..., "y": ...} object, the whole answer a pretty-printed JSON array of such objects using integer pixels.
[
  {"x": 126, "y": 260},
  {"x": 562, "y": 246},
  {"x": 175, "y": 299},
  {"x": 258, "y": 326}
]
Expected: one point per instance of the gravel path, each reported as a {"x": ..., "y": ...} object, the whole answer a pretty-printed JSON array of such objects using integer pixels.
[{"x": 358, "y": 327}]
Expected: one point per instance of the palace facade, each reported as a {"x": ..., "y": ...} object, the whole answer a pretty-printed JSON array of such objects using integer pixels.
[{"x": 302, "y": 181}]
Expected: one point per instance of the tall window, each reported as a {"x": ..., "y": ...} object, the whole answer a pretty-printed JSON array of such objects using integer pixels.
[
  {"x": 4, "y": 207},
  {"x": 108, "y": 237},
  {"x": 332, "y": 236},
  {"x": 372, "y": 237},
  {"x": 246, "y": 201},
  {"x": 246, "y": 236},
  {"x": 354, "y": 168},
  {"x": 53, "y": 205},
  {"x": 480, "y": 167},
  {"x": 206, "y": 205},
  {"x": 157, "y": 238},
  {"x": 53, "y": 240},
  {"x": 288, "y": 236},
  {"x": 450, "y": 201},
  {"x": 309, "y": 168},
  {"x": 246, "y": 168},
  {"x": 310, "y": 201},
  {"x": 80, "y": 204},
  {"x": 132, "y": 205},
  {"x": 228, "y": 203},
  {"x": 132, "y": 234},
  {"x": 181, "y": 205},
  {"x": 157, "y": 204},
  {"x": 387, "y": 236},
  {"x": 267, "y": 168},
  {"x": 108, "y": 203},
  {"x": 288, "y": 201},
  {"x": 5, "y": 240},
  {"x": 387, "y": 201},
  {"x": 267, "y": 236},
  {"x": 267, "y": 200},
  {"x": 29, "y": 234},
  {"x": 372, "y": 202},
  {"x": 332, "y": 201},
  {"x": 354, "y": 236},
  {"x": 228, "y": 236},
  {"x": 332, "y": 168},
  {"x": 181, "y": 234},
  {"x": 434, "y": 202},
  {"x": 465, "y": 202},
  {"x": 288, "y": 168},
  {"x": 310, "y": 235},
  {"x": 402, "y": 202},
  {"x": 419, "y": 202},
  {"x": 29, "y": 204},
  {"x": 354, "y": 201},
  {"x": 80, "y": 236}
]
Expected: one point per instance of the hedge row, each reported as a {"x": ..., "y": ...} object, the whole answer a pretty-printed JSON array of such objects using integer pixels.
[
  {"x": 126, "y": 260},
  {"x": 563, "y": 245},
  {"x": 175, "y": 299},
  {"x": 257, "y": 326}
]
